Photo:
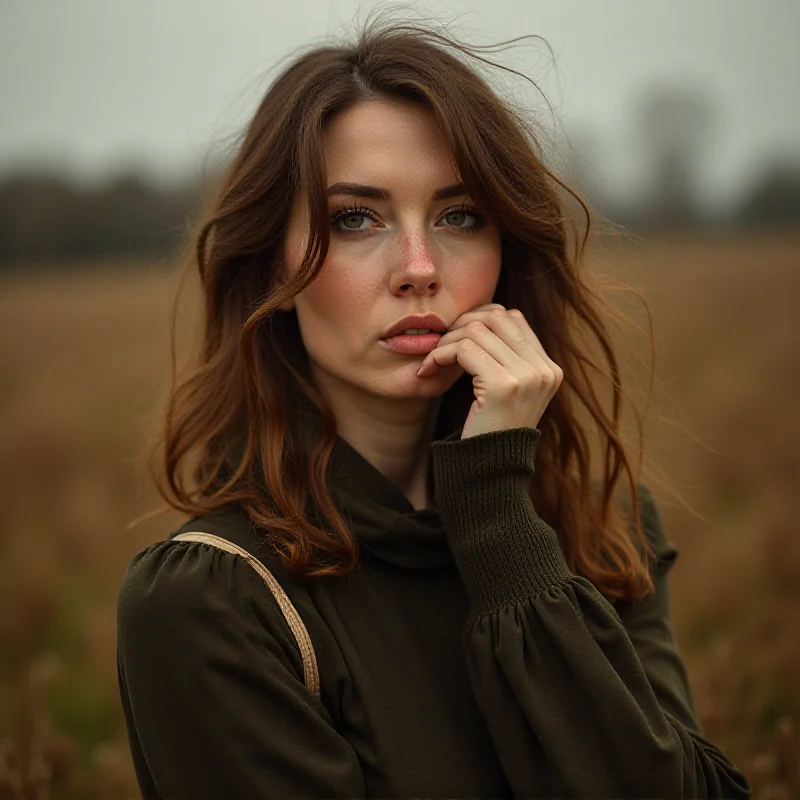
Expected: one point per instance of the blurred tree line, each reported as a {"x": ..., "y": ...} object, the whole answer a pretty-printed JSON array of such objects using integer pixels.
[
  {"x": 46, "y": 219},
  {"x": 674, "y": 129}
]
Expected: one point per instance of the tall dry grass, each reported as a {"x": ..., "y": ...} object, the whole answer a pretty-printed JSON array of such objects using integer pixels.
[{"x": 83, "y": 358}]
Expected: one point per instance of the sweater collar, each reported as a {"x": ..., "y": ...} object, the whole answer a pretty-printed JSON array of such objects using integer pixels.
[{"x": 382, "y": 518}]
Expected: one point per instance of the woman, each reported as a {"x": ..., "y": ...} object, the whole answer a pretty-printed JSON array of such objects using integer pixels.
[{"x": 392, "y": 338}]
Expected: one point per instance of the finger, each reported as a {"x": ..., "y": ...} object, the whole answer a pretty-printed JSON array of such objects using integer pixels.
[
  {"x": 493, "y": 315},
  {"x": 500, "y": 323},
  {"x": 518, "y": 360},
  {"x": 472, "y": 357},
  {"x": 474, "y": 313},
  {"x": 530, "y": 335},
  {"x": 497, "y": 321}
]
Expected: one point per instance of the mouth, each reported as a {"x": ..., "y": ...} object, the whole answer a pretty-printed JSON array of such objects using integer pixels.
[
  {"x": 417, "y": 325},
  {"x": 412, "y": 344},
  {"x": 411, "y": 334}
]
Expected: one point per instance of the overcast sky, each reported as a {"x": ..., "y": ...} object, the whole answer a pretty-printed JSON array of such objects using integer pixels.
[{"x": 92, "y": 86}]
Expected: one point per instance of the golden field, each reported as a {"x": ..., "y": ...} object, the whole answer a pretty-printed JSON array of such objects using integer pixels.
[{"x": 84, "y": 359}]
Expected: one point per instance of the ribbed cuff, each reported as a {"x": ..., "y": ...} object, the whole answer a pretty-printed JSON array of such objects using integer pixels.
[{"x": 506, "y": 554}]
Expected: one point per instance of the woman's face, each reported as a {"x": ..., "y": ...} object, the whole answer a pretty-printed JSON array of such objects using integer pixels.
[{"x": 403, "y": 254}]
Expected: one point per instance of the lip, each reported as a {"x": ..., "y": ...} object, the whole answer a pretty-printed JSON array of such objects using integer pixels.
[
  {"x": 414, "y": 345},
  {"x": 429, "y": 321}
]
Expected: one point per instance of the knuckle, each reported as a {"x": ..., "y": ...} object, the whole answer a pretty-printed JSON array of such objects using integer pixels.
[
  {"x": 475, "y": 326},
  {"x": 531, "y": 380},
  {"x": 550, "y": 379}
]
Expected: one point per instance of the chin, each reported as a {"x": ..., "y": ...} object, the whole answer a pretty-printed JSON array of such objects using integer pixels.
[{"x": 407, "y": 386}]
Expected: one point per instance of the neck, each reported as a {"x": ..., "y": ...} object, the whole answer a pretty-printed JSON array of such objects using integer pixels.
[
  {"x": 399, "y": 450},
  {"x": 393, "y": 435}
]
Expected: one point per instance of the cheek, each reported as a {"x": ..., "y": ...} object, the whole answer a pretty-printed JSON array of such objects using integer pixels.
[
  {"x": 476, "y": 279},
  {"x": 339, "y": 298}
]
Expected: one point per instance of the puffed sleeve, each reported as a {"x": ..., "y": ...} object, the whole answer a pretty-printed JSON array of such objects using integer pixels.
[
  {"x": 580, "y": 702},
  {"x": 211, "y": 685}
]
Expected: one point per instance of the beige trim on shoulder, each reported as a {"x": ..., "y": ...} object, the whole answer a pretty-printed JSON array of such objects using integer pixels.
[{"x": 310, "y": 671}]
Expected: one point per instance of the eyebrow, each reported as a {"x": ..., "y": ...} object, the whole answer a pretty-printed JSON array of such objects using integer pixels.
[{"x": 379, "y": 193}]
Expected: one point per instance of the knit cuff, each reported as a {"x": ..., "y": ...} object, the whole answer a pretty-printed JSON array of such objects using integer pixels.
[{"x": 504, "y": 551}]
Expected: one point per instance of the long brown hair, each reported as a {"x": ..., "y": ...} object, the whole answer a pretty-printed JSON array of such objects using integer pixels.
[{"x": 228, "y": 436}]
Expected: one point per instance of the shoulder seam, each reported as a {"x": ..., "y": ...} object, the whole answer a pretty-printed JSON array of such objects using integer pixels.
[{"x": 290, "y": 613}]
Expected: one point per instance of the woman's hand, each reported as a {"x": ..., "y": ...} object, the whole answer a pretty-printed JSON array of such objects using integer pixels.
[{"x": 514, "y": 379}]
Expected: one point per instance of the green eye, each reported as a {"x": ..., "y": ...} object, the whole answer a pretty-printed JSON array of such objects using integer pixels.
[
  {"x": 350, "y": 218},
  {"x": 459, "y": 217},
  {"x": 456, "y": 217}
]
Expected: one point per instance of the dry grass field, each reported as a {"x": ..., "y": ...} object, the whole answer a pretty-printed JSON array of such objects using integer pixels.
[{"x": 84, "y": 357}]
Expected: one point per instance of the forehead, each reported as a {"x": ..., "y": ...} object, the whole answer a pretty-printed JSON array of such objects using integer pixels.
[{"x": 381, "y": 139}]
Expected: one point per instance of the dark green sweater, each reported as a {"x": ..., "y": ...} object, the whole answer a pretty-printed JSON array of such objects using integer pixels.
[{"x": 461, "y": 659}]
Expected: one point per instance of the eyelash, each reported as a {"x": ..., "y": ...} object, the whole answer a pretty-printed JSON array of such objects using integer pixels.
[{"x": 348, "y": 211}]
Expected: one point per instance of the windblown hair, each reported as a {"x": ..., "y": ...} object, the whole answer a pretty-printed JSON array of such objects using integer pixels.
[{"x": 227, "y": 437}]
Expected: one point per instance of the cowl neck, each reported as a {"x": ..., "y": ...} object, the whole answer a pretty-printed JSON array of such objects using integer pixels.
[{"x": 382, "y": 518}]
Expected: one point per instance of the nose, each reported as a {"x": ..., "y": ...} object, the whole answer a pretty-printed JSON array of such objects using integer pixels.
[{"x": 418, "y": 272}]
